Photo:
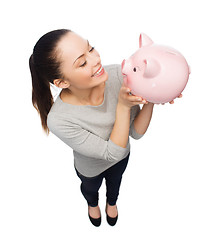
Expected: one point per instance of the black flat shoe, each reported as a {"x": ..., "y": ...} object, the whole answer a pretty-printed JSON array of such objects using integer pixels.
[
  {"x": 111, "y": 221},
  {"x": 95, "y": 221}
]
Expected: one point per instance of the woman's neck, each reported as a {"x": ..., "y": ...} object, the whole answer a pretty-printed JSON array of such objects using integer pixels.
[{"x": 94, "y": 96}]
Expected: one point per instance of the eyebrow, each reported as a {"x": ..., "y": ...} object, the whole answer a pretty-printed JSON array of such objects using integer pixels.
[{"x": 82, "y": 54}]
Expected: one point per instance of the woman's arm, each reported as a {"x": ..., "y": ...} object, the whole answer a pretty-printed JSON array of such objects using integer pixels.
[
  {"x": 84, "y": 141},
  {"x": 120, "y": 132},
  {"x": 141, "y": 122},
  {"x": 143, "y": 119}
]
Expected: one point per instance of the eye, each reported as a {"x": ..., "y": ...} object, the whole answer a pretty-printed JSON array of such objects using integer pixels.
[
  {"x": 85, "y": 61},
  {"x": 136, "y": 69},
  {"x": 83, "y": 64},
  {"x": 92, "y": 49}
]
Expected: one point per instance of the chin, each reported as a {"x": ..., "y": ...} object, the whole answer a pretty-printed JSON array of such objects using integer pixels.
[{"x": 105, "y": 76}]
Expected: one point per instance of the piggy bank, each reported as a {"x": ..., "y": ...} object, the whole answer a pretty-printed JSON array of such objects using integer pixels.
[{"x": 154, "y": 72}]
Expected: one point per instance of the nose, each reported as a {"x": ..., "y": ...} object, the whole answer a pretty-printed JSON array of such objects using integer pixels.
[{"x": 95, "y": 59}]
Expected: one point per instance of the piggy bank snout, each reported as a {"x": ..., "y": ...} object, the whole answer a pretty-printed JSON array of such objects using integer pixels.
[
  {"x": 122, "y": 65},
  {"x": 126, "y": 67}
]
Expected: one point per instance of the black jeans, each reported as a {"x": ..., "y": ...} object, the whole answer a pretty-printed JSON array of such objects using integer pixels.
[{"x": 113, "y": 176}]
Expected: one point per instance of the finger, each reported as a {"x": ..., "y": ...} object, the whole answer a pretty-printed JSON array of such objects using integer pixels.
[
  {"x": 172, "y": 102},
  {"x": 136, "y": 99},
  {"x": 180, "y": 95},
  {"x": 125, "y": 89},
  {"x": 139, "y": 99},
  {"x": 144, "y": 101},
  {"x": 128, "y": 90},
  {"x": 123, "y": 84},
  {"x": 137, "y": 103},
  {"x": 130, "y": 93}
]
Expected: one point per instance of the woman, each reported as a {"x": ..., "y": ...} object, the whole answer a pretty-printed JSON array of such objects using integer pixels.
[{"x": 94, "y": 113}]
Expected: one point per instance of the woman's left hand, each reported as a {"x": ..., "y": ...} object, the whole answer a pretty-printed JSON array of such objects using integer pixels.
[
  {"x": 173, "y": 100},
  {"x": 146, "y": 102}
]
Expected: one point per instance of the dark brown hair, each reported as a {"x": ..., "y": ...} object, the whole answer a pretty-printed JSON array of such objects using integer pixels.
[{"x": 45, "y": 67}]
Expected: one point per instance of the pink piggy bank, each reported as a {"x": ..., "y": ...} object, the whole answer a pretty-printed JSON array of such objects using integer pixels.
[{"x": 154, "y": 72}]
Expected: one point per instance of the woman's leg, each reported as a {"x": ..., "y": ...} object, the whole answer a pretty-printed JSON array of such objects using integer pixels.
[
  {"x": 113, "y": 177},
  {"x": 90, "y": 187}
]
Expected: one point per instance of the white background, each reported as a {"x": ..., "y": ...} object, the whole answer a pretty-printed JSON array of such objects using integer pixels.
[{"x": 170, "y": 188}]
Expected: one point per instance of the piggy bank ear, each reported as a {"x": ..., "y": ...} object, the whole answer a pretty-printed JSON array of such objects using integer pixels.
[
  {"x": 144, "y": 40},
  {"x": 152, "y": 68}
]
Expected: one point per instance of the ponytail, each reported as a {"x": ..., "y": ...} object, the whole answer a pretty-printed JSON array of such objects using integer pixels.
[
  {"x": 44, "y": 68},
  {"x": 42, "y": 98}
]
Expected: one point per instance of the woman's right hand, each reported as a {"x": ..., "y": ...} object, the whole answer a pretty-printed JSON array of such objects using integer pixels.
[{"x": 128, "y": 100}]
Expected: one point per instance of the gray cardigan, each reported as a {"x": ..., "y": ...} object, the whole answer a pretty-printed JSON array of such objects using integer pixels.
[{"x": 86, "y": 128}]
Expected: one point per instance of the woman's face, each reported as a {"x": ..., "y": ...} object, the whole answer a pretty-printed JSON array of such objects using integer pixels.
[{"x": 80, "y": 61}]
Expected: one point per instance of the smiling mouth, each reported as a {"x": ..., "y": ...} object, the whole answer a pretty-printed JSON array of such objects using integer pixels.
[
  {"x": 97, "y": 71},
  {"x": 100, "y": 70}
]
